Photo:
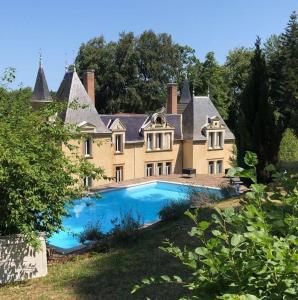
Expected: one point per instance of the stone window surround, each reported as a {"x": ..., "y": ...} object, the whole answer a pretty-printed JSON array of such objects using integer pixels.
[
  {"x": 163, "y": 139},
  {"x": 114, "y": 134},
  {"x": 215, "y": 133},
  {"x": 122, "y": 171},
  {"x": 155, "y": 167},
  {"x": 84, "y": 147},
  {"x": 215, "y": 163}
]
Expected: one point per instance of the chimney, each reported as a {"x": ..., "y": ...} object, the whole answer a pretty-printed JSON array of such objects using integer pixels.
[
  {"x": 89, "y": 84},
  {"x": 172, "y": 98}
]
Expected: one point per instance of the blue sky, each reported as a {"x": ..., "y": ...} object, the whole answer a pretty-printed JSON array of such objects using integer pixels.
[{"x": 59, "y": 27}]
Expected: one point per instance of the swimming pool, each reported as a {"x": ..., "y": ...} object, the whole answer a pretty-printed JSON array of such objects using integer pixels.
[{"x": 145, "y": 200}]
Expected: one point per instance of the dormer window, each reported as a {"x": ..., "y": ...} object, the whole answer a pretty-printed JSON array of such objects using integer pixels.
[
  {"x": 87, "y": 147},
  {"x": 215, "y": 140},
  {"x": 158, "y": 141},
  {"x": 158, "y": 120}
]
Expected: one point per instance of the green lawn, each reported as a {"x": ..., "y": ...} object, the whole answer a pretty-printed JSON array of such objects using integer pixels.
[{"x": 112, "y": 275}]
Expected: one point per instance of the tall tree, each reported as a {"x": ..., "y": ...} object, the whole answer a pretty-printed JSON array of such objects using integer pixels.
[
  {"x": 132, "y": 74},
  {"x": 210, "y": 76},
  {"x": 237, "y": 67},
  {"x": 257, "y": 128},
  {"x": 283, "y": 67}
]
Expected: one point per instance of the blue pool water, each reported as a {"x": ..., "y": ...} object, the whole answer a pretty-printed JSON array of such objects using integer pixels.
[{"x": 145, "y": 200}]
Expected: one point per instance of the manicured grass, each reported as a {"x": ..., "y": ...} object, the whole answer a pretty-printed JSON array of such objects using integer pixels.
[{"x": 112, "y": 275}]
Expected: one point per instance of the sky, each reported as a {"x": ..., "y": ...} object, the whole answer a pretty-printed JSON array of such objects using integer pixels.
[{"x": 59, "y": 27}]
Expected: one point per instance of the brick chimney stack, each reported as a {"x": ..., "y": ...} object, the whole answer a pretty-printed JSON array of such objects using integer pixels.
[
  {"x": 89, "y": 84},
  {"x": 172, "y": 98}
]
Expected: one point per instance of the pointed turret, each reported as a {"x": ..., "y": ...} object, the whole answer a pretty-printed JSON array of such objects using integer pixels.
[
  {"x": 73, "y": 91},
  {"x": 185, "y": 94},
  {"x": 41, "y": 94}
]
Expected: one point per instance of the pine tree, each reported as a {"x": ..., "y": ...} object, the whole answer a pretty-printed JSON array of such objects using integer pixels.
[{"x": 257, "y": 130}]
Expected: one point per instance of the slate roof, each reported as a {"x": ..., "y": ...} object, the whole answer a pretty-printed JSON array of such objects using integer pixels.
[
  {"x": 134, "y": 122},
  {"x": 41, "y": 90},
  {"x": 72, "y": 90},
  {"x": 196, "y": 115},
  {"x": 185, "y": 93}
]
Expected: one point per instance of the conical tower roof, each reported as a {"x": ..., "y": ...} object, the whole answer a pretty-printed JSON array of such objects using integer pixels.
[
  {"x": 73, "y": 91},
  {"x": 41, "y": 90},
  {"x": 185, "y": 94}
]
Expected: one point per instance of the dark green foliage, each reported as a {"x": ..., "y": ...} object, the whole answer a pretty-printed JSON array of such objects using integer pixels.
[
  {"x": 248, "y": 253},
  {"x": 132, "y": 74},
  {"x": 36, "y": 176},
  {"x": 228, "y": 191},
  {"x": 91, "y": 232},
  {"x": 283, "y": 67},
  {"x": 257, "y": 129},
  {"x": 126, "y": 228},
  {"x": 173, "y": 210}
]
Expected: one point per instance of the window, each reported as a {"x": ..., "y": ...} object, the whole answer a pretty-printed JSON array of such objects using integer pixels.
[
  {"x": 149, "y": 170},
  {"x": 87, "y": 147},
  {"x": 219, "y": 143},
  {"x": 158, "y": 120},
  {"x": 167, "y": 141},
  {"x": 119, "y": 173},
  {"x": 158, "y": 141},
  {"x": 211, "y": 167},
  {"x": 168, "y": 168},
  {"x": 118, "y": 142},
  {"x": 211, "y": 140},
  {"x": 88, "y": 181},
  {"x": 159, "y": 169},
  {"x": 149, "y": 141},
  {"x": 219, "y": 167}
]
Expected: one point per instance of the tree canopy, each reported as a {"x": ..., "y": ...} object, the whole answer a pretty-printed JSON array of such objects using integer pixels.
[{"x": 36, "y": 176}]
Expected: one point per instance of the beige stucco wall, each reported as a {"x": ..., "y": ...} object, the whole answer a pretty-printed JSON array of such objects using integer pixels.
[
  {"x": 19, "y": 261},
  {"x": 202, "y": 155},
  {"x": 186, "y": 154}
]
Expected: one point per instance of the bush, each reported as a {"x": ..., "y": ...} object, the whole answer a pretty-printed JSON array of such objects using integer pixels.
[
  {"x": 126, "y": 228},
  {"x": 251, "y": 253},
  {"x": 173, "y": 210},
  {"x": 91, "y": 232},
  {"x": 201, "y": 198},
  {"x": 288, "y": 150},
  {"x": 228, "y": 191}
]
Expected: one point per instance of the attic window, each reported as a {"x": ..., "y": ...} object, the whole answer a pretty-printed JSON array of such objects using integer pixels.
[{"x": 158, "y": 120}]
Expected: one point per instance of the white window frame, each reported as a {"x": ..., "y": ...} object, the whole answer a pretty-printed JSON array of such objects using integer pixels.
[
  {"x": 118, "y": 173},
  {"x": 159, "y": 167},
  {"x": 211, "y": 162},
  {"x": 158, "y": 143},
  {"x": 219, "y": 163},
  {"x": 88, "y": 147},
  {"x": 149, "y": 141},
  {"x": 149, "y": 169},
  {"x": 88, "y": 181},
  {"x": 118, "y": 143},
  {"x": 168, "y": 168}
]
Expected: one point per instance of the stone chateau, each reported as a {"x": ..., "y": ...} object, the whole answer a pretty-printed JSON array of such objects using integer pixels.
[{"x": 187, "y": 134}]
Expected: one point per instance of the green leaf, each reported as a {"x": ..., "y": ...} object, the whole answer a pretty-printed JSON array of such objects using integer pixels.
[
  {"x": 165, "y": 278},
  {"x": 250, "y": 159},
  {"x": 201, "y": 251},
  {"x": 236, "y": 239}
]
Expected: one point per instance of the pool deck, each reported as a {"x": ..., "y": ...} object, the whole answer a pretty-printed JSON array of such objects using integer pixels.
[{"x": 203, "y": 180}]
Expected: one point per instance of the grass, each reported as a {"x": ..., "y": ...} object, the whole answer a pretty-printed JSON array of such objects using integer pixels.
[{"x": 112, "y": 275}]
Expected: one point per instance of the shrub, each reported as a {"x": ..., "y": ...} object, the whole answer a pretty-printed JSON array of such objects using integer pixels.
[
  {"x": 126, "y": 228},
  {"x": 91, "y": 232},
  {"x": 228, "y": 191},
  {"x": 251, "y": 253},
  {"x": 201, "y": 198},
  {"x": 173, "y": 210}
]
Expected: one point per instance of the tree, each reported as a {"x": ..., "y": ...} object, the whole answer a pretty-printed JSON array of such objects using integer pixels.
[
  {"x": 36, "y": 176},
  {"x": 210, "y": 76},
  {"x": 283, "y": 67},
  {"x": 257, "y": 130},
  {"x": 237, "y": 68},
  {"x": 132, "y": 74},
  {"x": 247, "y": 253}
]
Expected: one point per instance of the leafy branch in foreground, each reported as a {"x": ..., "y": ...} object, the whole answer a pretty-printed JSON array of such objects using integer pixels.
[
  {"x": 246, "y": 253},
  {"x": 37, "y": 177}
]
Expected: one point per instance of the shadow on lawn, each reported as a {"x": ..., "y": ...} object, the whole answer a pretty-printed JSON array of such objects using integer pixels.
[{"x": 114, "y": 276}]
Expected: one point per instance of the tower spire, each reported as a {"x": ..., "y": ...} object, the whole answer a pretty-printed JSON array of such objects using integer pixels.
[{"x": 40, "y": 58}]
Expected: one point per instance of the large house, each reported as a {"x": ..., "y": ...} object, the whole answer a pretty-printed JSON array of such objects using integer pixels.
[{"x": 188, "y": 134}]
